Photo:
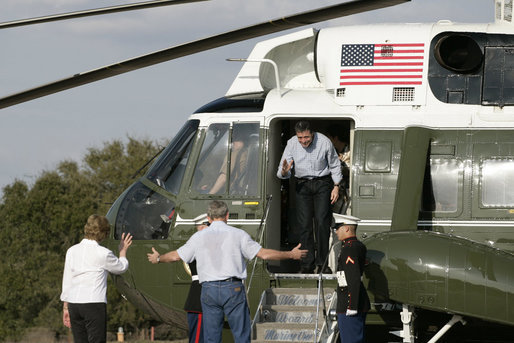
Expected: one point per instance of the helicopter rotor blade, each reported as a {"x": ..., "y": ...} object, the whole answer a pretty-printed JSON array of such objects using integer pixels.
[
  {"x": 93, "y": 12},
  {"x": 272, "y": 26}
]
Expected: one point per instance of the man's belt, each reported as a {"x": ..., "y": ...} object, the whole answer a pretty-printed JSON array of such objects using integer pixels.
[
  {"x": 232, "y": 279},
  {"x": 303, "y": 179}
]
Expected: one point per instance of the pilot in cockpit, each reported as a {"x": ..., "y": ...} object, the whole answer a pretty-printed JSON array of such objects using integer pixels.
[{"x": 238, "y": 162}]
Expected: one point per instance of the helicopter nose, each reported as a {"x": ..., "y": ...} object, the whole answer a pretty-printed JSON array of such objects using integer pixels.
[{"x": 144, "y": 213}]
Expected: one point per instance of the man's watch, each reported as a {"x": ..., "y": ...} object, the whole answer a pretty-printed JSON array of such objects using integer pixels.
[
  {"x": 336, "y": 185},
  {"x": 158, "y": 258}
]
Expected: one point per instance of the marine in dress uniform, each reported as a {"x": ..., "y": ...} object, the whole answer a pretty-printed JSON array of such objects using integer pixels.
[
  {"x": 193, "y": 305},
  {"x": 352, "y": 299}
]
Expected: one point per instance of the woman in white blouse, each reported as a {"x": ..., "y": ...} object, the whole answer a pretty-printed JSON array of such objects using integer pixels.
[{"x": 84, "y": 282}]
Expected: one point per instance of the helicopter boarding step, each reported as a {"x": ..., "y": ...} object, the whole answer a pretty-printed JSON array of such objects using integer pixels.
[{"x": 293, "y": 315}]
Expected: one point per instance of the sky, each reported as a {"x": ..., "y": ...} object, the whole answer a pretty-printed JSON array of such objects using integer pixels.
[{"x": 153, "y": 102}]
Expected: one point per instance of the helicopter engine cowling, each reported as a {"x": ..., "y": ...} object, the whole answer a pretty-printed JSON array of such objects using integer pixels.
[{"x": 443, "y": 273}]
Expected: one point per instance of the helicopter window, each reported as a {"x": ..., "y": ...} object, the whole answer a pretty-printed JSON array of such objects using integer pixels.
[
  {"x": 169, "y": 170},
  {"x": 378, "y": 157},
  {"x": 497, "y": 183},
  {"x": 244, "y": 159},
  {"x": 441, "y": 186},
  {"x": 237, "y": 163},
  {"x": 144, "y": 213},
  {"x": 212, "y": 161}
]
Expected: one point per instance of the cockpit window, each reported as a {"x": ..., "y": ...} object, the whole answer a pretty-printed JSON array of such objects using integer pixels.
[
  {"x": 168, "y": 171},
  {"x": 244, "y": 159},
  {"x": 144, "y": 213},
  {"x": 229, "y": 169},
  {"x": 212, "y": 161}
]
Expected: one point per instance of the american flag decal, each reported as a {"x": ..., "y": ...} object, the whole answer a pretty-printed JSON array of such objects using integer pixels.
[{"x": 382, "y": 64}]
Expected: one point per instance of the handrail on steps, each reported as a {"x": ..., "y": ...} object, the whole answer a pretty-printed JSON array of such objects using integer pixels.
[
  {"x": 260, "y": 233},
  {"x": 322, "y": 297}
]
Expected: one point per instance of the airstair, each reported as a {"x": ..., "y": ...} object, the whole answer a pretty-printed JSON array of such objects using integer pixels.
[{"x": 295, "y": 315}]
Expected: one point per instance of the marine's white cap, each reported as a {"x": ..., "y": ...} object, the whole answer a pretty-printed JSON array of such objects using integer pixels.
[
  {"x": 201, "y": 219},
  {"x": 345, "y": 219}
]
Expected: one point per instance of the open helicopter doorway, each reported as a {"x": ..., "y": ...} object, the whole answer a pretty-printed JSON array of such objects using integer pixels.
[{"x": 282, "y": 232}]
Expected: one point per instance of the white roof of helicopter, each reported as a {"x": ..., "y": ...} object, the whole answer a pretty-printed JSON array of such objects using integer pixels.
[
  {"x": 254, "y": 78},
  {"x": 372, "y": 106}
]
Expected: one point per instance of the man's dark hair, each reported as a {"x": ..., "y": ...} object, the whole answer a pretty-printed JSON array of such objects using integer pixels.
[
  {"x": 217, "y": 209},
  {"x": 302, "y": 126}
]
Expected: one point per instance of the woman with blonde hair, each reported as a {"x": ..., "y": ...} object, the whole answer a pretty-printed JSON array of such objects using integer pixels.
[{"x": 84, "y": 282}]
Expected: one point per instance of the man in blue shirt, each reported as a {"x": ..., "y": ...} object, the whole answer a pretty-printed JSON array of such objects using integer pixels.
[
  {"x": 317, "y": 171},
  {"x": 221, "y": 252}
]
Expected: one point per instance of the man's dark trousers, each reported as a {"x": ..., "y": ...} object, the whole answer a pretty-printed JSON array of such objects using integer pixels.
[{"x": 313, "y": 201}]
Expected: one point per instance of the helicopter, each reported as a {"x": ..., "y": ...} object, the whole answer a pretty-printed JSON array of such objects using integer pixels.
[{"x": 432, "y": 164}]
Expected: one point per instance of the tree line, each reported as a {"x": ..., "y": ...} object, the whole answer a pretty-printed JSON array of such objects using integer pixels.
[{"x": 39, "y": 222}]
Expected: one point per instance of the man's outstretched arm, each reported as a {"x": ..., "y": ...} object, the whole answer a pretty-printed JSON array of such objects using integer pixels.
[
  {"x": 271, "y": 254},
  {"x": 155, "y": 257}
]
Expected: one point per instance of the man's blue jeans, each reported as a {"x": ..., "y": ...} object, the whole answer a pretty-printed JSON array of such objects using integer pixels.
[{"x": 225, "y": 298}]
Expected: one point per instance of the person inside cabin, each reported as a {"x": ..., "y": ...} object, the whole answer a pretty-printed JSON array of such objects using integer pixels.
[
  {"x": 352, "y": 299},
  {"x": 193, "y": 306},
  {"x": 338, "y": 136},
  {"x": 221, "y": 252},
  {"x": 238, "y": 162},
  {"x": 317, "y": 173},
  {"x": 84, "y": 281}
]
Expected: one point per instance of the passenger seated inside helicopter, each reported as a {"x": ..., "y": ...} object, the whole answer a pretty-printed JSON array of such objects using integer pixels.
[{"x": 238, "y": 162}]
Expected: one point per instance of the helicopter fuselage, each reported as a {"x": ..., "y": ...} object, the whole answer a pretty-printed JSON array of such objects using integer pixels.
[{"x": 427, "y": 112}]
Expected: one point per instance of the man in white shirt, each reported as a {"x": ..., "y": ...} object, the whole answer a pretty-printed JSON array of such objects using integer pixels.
[
  {"x": 84, "y": 282},
  {"x": 221, "y": 252}
]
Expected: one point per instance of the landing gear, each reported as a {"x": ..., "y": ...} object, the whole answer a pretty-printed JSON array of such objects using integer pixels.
[
  {"x": 407, "y": 333},
  {"x": 454, "y": 320},
  {"x": 407, "y": 316}
]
